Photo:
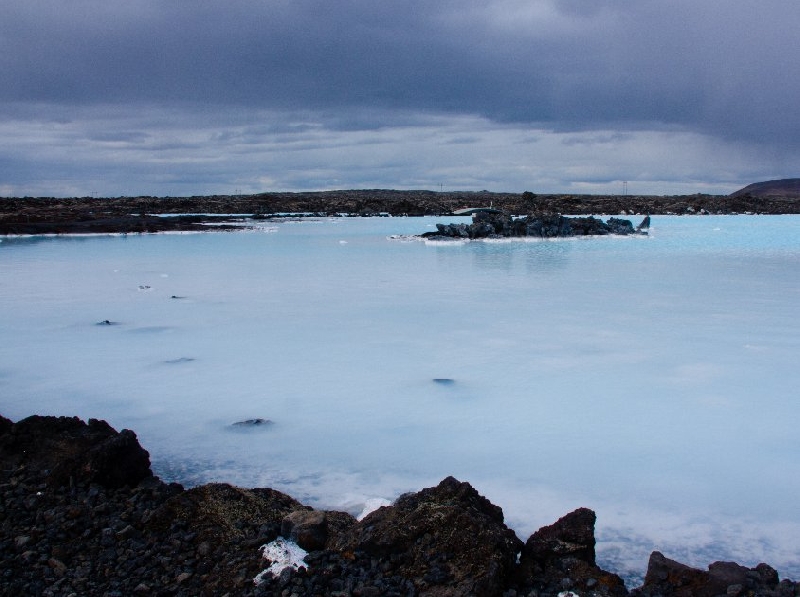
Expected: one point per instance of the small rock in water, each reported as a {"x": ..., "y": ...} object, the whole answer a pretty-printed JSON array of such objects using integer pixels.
[
  {"x": 444, "y": 381},
  {"x": 252, "y": 423}
]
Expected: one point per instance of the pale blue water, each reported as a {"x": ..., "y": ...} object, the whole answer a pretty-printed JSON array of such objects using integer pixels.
[{"x": 653, "y": 379}]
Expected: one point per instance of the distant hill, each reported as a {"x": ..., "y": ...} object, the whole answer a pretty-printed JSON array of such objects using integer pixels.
[{"x": 788, "y": 187}]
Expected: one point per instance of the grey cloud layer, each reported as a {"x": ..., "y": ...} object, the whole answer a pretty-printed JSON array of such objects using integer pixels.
[
  {"x": 196, "y": 96},
  {"x": 726, "y": 68}
]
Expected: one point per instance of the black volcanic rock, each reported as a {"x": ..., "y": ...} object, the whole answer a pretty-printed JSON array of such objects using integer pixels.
[
  {"x": 75, "y": 520},
  {"x": 315, "y": 529},
  {"x": 502, "y": 225},
  {"x": 449, "y": 540},
  {"x": 562, "y": 557},
  {"x": 67, "y": 450},
  {"x": 668, "y": 577},
  {"x": 571, "y": 536}
]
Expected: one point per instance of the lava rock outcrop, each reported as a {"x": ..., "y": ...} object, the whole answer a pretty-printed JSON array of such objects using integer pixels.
[
  {"x": 502, "y": 225},
  {"x": 81, "y": 513}
]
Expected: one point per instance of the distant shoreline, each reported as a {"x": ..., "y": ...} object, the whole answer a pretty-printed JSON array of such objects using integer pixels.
[{"x": 84, "y": 215}]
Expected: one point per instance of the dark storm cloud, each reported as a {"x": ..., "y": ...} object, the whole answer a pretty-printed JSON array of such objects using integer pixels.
[
  {"x": 196, "y": 96},
  {"x": 722, "y": 67}
]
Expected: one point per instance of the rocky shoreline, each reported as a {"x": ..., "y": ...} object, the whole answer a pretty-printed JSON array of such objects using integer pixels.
[
  {"x": 85, "y": 215},
  {"x": 82, "y": 514}
]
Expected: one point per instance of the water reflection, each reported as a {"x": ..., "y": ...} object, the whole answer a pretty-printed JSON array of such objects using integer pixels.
[{"x": 536, "y": 256}]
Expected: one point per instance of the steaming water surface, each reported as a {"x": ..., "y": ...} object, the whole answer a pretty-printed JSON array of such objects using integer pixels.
[{"x": 653, "y": 379}]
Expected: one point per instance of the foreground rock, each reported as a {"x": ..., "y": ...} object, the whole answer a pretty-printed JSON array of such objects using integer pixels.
[
  {"x": 68, "y": 451},
  {"x": 448, "y": 539},
  {"x": 502, "y": 225},
  {"x": 562, "y": 557},
  {"x": 82, "y": 514},
  {"x": 668, "y": 577}
]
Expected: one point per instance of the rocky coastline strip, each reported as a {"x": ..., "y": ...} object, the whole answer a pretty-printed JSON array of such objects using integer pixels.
[
  {"x": 129, "y": 215},
  {"x": 81, "y": 513}
]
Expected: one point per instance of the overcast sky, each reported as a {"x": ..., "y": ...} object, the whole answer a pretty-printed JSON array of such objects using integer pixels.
[{"x": 181, "y": 97}]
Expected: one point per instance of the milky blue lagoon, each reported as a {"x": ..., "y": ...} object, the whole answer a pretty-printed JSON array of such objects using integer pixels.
[{"x": 653, "y": 379}]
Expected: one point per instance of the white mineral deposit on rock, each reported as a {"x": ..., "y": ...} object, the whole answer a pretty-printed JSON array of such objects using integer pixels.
[{"x": 283, "y": 554}]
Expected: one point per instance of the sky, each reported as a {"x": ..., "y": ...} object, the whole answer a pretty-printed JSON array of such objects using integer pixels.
[{"x": 198, "y": 97}]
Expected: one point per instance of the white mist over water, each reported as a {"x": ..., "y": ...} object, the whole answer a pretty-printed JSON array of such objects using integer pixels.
[{"x": 652, "y": 379}]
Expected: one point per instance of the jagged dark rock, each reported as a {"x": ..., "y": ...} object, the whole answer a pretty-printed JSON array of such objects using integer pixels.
[
  {"x": 668, "y": 577},
  {"x": 561, "y": 557},
  {"x": 571, "y": 536},
  {"x": 449, "y": 540},
  {"x": 81, "y": 513},
  {"x": 502, "y": 225},
  {"x": 68, "y": 450}
]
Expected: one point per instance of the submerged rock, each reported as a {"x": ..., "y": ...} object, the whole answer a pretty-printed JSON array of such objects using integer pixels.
[
  {"x": 179, "y": 360},
  {"x": 252, "y": 423}
]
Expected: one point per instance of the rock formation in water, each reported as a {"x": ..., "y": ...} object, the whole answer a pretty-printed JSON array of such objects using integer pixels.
[
  {"x": 81, "y": 513},
  {"x": 502, "y": 225}
]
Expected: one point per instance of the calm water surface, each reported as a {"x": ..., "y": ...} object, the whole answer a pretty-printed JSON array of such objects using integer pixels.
[{"x": 653, "y": 379}]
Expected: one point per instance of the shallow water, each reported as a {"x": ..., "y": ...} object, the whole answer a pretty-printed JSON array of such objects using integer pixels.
[{"x": 652, "y": 379}]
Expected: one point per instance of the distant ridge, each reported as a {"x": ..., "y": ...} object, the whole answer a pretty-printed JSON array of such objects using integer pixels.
[{"x": 788, "y": 187}]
